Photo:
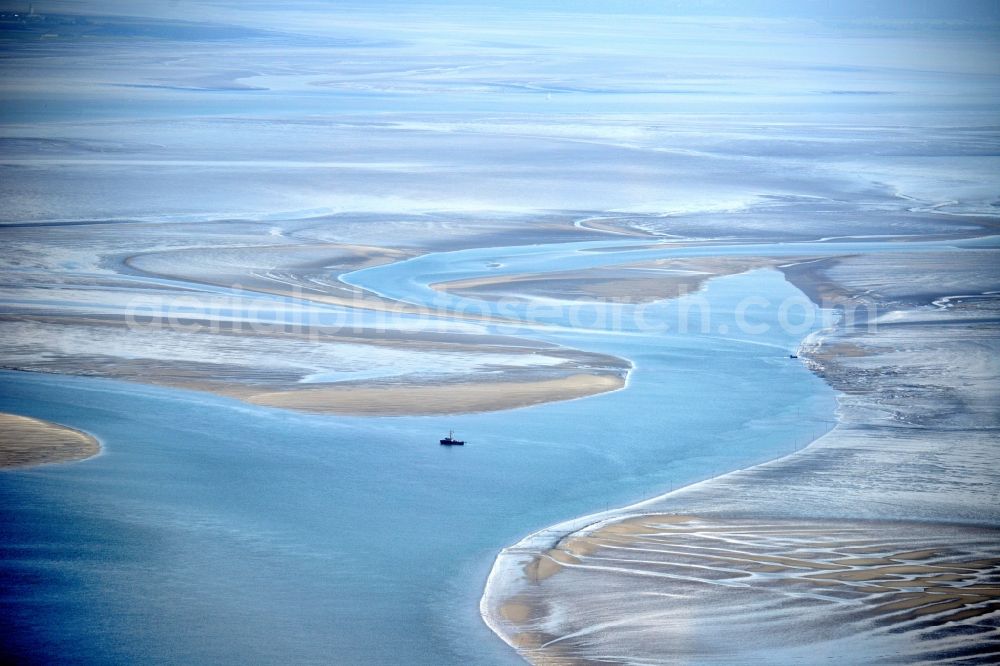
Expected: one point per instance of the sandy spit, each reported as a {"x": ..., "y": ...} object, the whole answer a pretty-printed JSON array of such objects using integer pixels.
[
  {"x": 451, "y": 398},
  {"x": 26, "y": 441}
]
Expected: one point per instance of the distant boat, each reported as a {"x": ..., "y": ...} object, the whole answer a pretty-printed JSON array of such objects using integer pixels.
[
  {"x": 451, "y": 441},
  {"x": 792, "y": 356}
]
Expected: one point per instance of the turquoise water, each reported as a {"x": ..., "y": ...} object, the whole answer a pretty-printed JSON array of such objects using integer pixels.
[{"x": 213, "y": 531}]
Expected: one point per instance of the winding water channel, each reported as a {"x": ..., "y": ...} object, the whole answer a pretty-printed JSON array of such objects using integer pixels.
[{"x": 214, "y": 531}]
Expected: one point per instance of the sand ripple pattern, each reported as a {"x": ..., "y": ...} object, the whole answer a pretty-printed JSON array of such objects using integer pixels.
[{"x": 747, "y": 591}]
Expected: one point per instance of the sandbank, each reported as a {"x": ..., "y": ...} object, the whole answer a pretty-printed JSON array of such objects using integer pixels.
[
  {"x": 469, "y": 372},
  {"x": 25, "y": 441},
  {"x": 881, "y": 534},
  {"x": 450, "y": 398},
  {"x": 310, "y": 272},
  {"x": 638, "y": 580},
  {"x": 633, "y": 282}
]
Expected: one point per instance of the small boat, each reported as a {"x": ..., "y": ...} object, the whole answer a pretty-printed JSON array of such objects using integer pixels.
[
  {"x": 451, "y": 441},
  {"x": 792, "y": 356}
]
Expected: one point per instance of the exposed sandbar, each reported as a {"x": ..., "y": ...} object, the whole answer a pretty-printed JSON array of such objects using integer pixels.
[
  {"x": 309, "y": 272},
  {"x": 320, "y": 370},
  {"x": 653, "y": 584},
  {"x": 635, "y": 282},
  {"x": 879, "y": 539},
  {"x": 25, "y": 441},
  {"x": 452, "y": 398}
]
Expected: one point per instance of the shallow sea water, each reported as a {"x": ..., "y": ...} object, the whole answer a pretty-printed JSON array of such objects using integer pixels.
[{"x": 212, "y": 531}]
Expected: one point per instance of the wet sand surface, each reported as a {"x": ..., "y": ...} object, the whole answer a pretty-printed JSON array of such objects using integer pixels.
[
  {"x": 639, "y": 282},
  {"x": 653, "y": 588},
  {"x": 254, "y": 315},
  {"x": 189, "y": 187},
  {"x": 26, "y": 441},
  {"x": 316, "y": 370},
  {"x": 454, "y": 398},
  {"x": 815, "y": 555}
]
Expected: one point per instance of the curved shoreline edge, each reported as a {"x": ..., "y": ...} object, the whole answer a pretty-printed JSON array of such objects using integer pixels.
[
  {"x": 26, "y": 442},
  {"x": 518, "y": 555},
  {"x": 872, "y": 461}
]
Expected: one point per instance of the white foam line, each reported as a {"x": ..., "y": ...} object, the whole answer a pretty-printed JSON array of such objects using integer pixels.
[
  {"x": 945, "y": 301},
  {"x": 860, "y": 236},
  {"x": 586, "y": 631},
  {"x": 654, "y": 574}
]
